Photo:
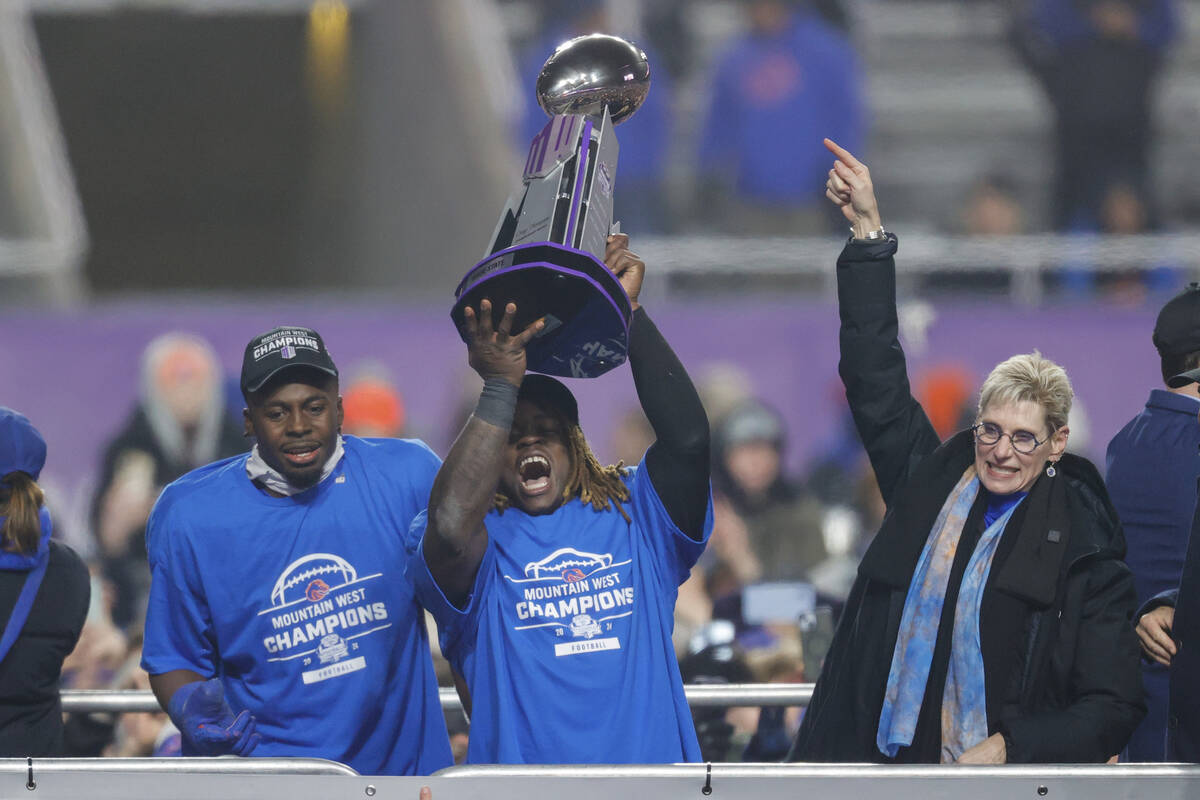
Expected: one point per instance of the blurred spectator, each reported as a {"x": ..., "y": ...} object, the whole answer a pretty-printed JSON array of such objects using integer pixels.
[
  {"x": 373, "y": 407},
  {"x": 989, "y": 208},
  {"x": 44, "y": 592},
  {"x": 1099, "y": 63},
  {"x": 789, "y": 81},
  {"x": 179, "y": 423},
  {"x": 945, "y": 391},
  {"x": 776, "y": 725},
  {"x": 723, "y": 385},
  {"x": 95, "y": 663},
  {"x": 714, "y": 658},
  {"x": 834, "y": 473},
  {"x": 459, "y": 730},
  {"x": 640, "y": 199},
  {"x": 1124, "y": 211},
  {"x": 632, "y": 437},
  {"x": 782, "y": 539},
  {"x": 992, "y": 208},
  {"x": 141, "y": 734}
]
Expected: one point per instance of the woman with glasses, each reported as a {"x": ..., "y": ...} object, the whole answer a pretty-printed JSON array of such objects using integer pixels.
[{"x": 990, "y": 620}]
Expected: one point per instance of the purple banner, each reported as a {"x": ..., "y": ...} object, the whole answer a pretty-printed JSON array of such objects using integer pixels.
[{"x": 76, "y": 374}]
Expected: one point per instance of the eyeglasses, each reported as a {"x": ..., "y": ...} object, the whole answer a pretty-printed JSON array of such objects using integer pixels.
[{"x": 1023, "y": 442}]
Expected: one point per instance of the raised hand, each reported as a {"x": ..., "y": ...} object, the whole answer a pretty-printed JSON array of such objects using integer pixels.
[
  {"x": 849, "y": 188},
  {"x": 496, "y": 352},
  {"x": 626, "y": 265}
]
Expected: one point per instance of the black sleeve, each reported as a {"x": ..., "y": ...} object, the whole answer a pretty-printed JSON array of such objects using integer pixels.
[
  {"x": 893, "y": 426},
  {"x": 677, "y": 462}
]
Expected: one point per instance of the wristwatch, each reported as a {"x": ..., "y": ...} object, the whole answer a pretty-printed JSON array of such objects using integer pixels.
[{"x": 870, "y": 236}]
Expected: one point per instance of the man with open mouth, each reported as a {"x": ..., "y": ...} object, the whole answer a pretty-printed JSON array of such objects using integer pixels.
[
  {"x": 279, "y": 622},
  {"x": 553, "y": 579}
]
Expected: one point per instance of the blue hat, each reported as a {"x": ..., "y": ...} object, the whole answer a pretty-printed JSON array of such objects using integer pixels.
[{"x": 22, "y": 448}]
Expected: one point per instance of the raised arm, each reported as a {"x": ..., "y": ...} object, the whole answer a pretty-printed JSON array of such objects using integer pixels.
[
  {"x": 678, "y": 461},
  {"x": 455, "y": 538},
  {"x": 893, "y": 426}
]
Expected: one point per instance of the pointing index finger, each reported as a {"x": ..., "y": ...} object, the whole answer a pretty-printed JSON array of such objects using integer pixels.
[{"x": 844, "y": 155}]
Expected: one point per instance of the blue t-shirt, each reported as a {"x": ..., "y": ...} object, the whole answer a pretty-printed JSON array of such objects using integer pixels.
[
  {"x": 300, "y": 606},
  {"x": 565, "y": 642}
]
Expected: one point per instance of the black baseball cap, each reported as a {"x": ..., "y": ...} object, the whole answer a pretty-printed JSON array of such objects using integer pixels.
[
  {"x": 1184, "y": 378},
  {"x": 283, "y": 348},
  {"x": 545, "y": 392},
  {"x": 1177, "y": 330}
]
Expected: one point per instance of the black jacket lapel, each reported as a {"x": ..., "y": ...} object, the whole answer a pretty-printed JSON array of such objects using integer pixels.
[{"x": 1032, "y": 569}]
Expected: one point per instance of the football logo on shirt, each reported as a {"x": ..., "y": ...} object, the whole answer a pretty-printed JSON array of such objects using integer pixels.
[
  {"x": 319, "y": 608},
  {"x": 309, "y": 573},
  {"x": 569, "y": 564},
  {"x": 574, "y": 593}
]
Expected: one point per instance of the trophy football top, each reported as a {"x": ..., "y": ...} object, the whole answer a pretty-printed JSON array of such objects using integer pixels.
[{"x": 588, "y": 73}]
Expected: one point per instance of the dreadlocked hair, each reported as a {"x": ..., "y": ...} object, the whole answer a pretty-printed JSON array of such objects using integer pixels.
[
  {"x": 599, "y": 486},
  {"x": 20, "y": 500}
]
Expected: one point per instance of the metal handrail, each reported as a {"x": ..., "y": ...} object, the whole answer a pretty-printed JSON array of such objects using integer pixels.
[
  {"x": 922, "y": 252},
  {"x": 812, "y": 770},
  {"x": 190, "y": 765},
  {"x": 86, "y": 701}
]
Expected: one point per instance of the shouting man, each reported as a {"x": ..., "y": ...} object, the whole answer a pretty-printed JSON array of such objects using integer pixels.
[{"x": 553, "y": 579}]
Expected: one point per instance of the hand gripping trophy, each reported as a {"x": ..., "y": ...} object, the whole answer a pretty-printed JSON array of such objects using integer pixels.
[{"x": 547, "y": 253}]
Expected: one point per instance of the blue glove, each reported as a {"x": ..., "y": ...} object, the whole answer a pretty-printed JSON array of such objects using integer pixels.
[{"x": 207, "y": 724}]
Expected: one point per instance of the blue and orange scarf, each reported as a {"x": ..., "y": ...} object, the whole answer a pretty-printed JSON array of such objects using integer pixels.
[{"x": 964, "y": 702}]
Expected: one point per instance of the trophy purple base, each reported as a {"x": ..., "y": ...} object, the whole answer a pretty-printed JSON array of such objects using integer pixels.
[{"x": 586, "y": 310}]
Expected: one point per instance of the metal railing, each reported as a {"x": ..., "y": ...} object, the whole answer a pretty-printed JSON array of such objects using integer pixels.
[
  {"x": 698, "y": 696},
  {"x": 190, "y": 765},
  {"x": 1026, "y": 259}
]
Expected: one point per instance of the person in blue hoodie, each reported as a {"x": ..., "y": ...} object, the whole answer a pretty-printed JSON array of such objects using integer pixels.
[{"x": 791, "y": 80}]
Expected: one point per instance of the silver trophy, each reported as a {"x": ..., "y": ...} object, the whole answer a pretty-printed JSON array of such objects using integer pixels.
[{"x": 547, "y": 252}]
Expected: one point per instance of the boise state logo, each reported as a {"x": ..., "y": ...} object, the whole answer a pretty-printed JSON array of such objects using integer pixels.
[
  {"x": 311, "y": 578},
  {"x": 316, "y": 590},
  {"x": 568, "y": 563}
]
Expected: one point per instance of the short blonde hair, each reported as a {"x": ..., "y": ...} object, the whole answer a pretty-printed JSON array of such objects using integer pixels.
[{"x": 1032, "y": 377}]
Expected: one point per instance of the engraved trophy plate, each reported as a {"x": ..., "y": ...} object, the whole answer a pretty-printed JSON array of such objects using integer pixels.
[{"x": 547, "y": 252}]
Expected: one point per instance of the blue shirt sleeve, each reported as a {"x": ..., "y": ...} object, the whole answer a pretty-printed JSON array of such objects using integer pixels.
[
  {"x": 456, "y": 626},
  {"x": 419, "y": 471},
  {"x": 675, "y": 552},
  {"x": 179, "y": 630}
]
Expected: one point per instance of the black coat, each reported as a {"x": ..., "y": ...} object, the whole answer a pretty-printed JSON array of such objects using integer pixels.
[
  {"x": 1070, "y": 691},
  {"x": 1183, "y": 721},
  {"x": 30, "y": 711}
]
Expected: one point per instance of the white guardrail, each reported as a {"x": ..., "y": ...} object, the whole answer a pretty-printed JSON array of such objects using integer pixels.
[
  {"x": 1025, "y": 259},
  {"x": 262, "y": 779},
  {"x": 707, "y": 695}
]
